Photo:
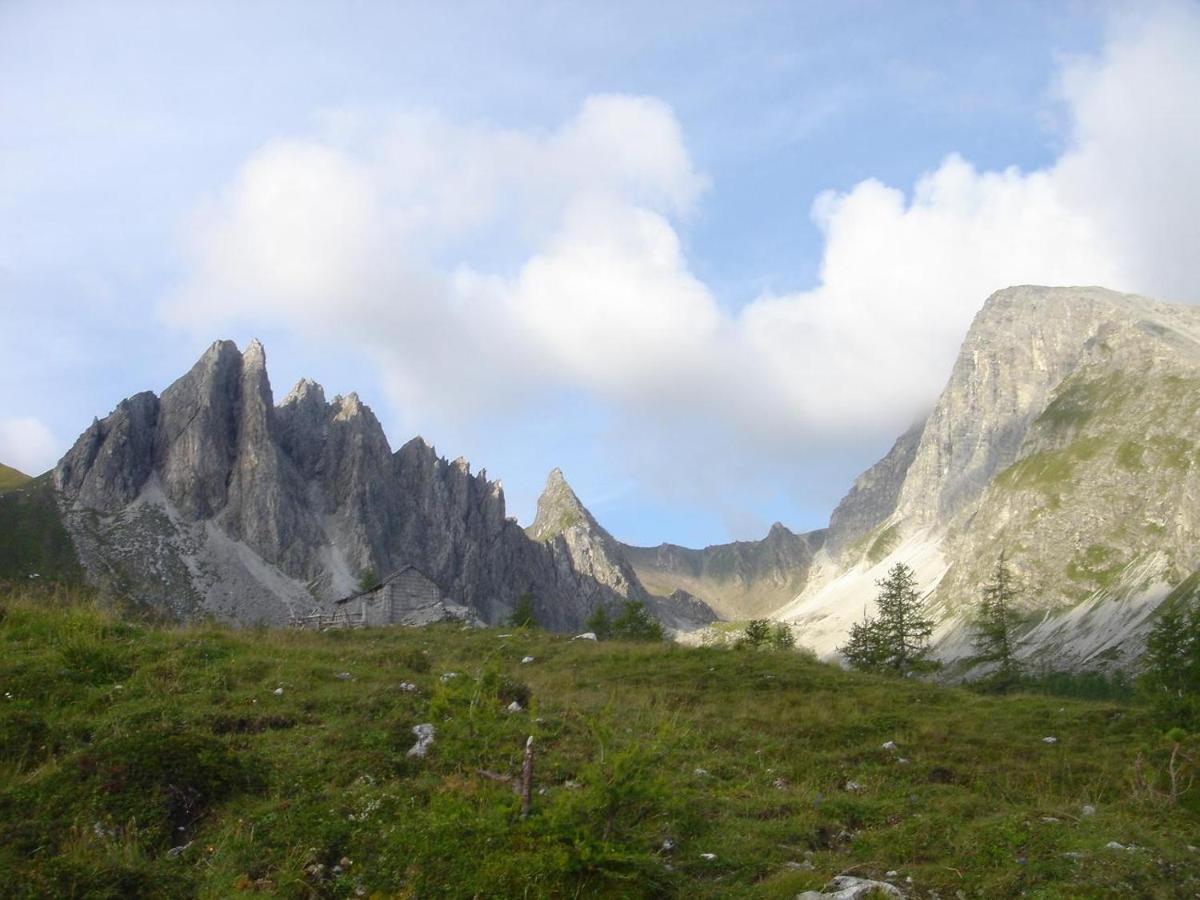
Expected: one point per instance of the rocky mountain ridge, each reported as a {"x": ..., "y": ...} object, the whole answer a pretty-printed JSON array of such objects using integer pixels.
[
  {"x": 739, "y": 580},
  {"x": 211, "y": 500}
]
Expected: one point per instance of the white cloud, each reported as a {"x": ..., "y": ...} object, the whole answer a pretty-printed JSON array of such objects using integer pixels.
[
  {"x": 486, "y": 267},
  {"x": 28, "y": 445}
]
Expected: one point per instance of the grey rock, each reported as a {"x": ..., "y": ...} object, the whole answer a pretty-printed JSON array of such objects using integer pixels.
[
  {"x": 848, "y": 887},
  {"x": 425, "y": 734}
]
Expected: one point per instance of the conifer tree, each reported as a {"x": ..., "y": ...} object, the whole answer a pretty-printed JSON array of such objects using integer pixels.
[
  {"x": 897, "y": 640},
  {"x": 995, "y": 628}
]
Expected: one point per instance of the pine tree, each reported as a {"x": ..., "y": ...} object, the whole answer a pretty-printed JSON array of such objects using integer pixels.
[
  {"x": 995, "y": 628},
  {"x": 1171, "y": 665},
  {"x": 905, "y": 632},
  {"x": 865, "y": 649},
  {"x": 897, "y": 640}
]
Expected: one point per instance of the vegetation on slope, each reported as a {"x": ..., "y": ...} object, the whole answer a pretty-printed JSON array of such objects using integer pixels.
[
  {"x": 10, "y": 478},
  {"x": 33, "y": 541},
  {"x": 278, "y": 761}
]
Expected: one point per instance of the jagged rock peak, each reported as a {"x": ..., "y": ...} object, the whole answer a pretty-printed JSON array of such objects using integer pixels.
[
  {"x": 558, "y": 509},
  {"x": 305, "y": 391}
]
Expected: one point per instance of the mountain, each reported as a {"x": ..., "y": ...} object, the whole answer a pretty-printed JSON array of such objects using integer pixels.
[
  {"x": 212, "y": 500},
  {"x": 10, "y": 478},
  {"x": 563, "y": 523},
  {"x": 1066, "y": 437},
  {"x": 741, "y": 580}
]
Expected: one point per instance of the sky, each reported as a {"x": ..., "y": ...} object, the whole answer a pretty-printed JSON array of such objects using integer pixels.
[{"x": 710, "y": 259}]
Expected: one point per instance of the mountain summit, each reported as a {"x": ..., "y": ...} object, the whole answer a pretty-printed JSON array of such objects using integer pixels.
[{"x": 1067, "y": 437}]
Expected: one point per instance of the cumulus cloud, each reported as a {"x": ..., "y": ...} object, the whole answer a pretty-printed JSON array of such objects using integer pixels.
[
  {"x": 487, "y": 267},
  {"x": 27, "y": 444}
]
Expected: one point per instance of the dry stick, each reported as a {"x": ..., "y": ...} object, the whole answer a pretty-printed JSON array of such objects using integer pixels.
[{"x": 527, "y": 778}]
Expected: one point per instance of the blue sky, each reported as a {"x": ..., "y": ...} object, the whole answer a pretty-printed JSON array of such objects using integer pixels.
[{"x": 710, "y": 259}]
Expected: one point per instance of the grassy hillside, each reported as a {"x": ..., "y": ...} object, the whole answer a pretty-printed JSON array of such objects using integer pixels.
[
  {"x": 33, "y": 541},
  {"x": 10, "y": 478},
  {"x": 277, "y": 760}
]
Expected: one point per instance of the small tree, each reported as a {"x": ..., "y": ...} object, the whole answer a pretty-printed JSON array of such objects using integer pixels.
[
  {"x": 995, "y": 628},
  {"x": 369, "y": 580},
  {"x": 757, "y": 634},
  {"x": 634, "y": 623},
  {"x": 782, "y": 637},
  {"x": 522, "y": 614},
  {"x": 897, "y": 640},
  {"x": 865, "y": 650},
  {"x": 600, "y": 623},
  {"x": 1171, "y": 666}
]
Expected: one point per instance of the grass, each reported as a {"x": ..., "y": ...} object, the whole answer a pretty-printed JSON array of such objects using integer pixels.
[
  {"x": 278, "y": 760},
  {"x": 10, "y": 478},
  {"x": 33, "y": 541}
]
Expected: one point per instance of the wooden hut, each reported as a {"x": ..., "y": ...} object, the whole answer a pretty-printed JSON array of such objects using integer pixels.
[{"x": 402, "y": 597}]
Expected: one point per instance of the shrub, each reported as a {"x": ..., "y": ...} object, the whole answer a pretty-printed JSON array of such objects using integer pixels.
[
  {"x": 523, "y": 615},
  {"x": 634, "y": 623}
]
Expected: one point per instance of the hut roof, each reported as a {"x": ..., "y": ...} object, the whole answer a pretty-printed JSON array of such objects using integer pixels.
[{"x": 383, "y": 581}]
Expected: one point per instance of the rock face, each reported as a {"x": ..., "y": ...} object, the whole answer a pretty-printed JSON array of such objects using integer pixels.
[
  {"x": 212, "y": 500},
  {"x": 740, "y": 580},
  {"x": 1067, "y": 437},
  {"x": 565, "y": 526}
]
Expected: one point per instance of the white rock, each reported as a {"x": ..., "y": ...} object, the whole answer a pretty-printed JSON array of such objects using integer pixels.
[
  {"x": 447, "y": 676},
  {"x": 1113, "y": 845},
  {"x": 700, "y": 773},
  {"x": 1049, "y": 820},
  {"x": 1088, "y": 809},
  {"x": 852, "y": 786},
  {"x": 847, "y": 887},
  {"x": 514, "y": 707},
  {"x": 586, "y": 636},
  {"x": 407, "y": 686},
  {"x": 890, "y": 745},
  {"x": 424, "y": 733},
  {"x": 890, "y": 873},
  {"x": 527, "y": 659},
  {"x": 278, "y": 692},
  {"x": 902, "y": 761},
  {"x": 709, "y": 856},
  {"x": 1049, "y": 740}
]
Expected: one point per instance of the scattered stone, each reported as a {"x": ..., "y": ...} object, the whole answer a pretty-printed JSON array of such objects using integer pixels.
[
  {"x": 805, "y": 866},
  {"x": 424, "y": 733},
  {"x": 668, "y": 845},
  {"x": 852, "y": 786},
  {"x": 586, "y": 636},
  {"x": 1088, "y": 809},
  {"x": 700, "y": 773},
  {"x": 571, "y": 785},
  {"x": 448, "y": 676},
  {"x": 708, "y": 856},
  {"x": 527, "y": 659},
  {"x": 847, "y": 887},
  {"x": 890, "y": 745},
  {"x": 345, "y": 862},
  {"x": 780, "y": 784},
  {"x": 902, "y": 761},
  {"x": 1113, "y": 845},
  {"x": 278, "y": 692},
  {"x": 1049, "y": 740},
  {"x": 890, "y": 873},
  {"x": 1049, "y": 820},
  {"x": 175, "y": 852},
  {"x": 514, "y": 707},
  {"x": 408, "y": 686},
  {"x": 343, "y": 676}
]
